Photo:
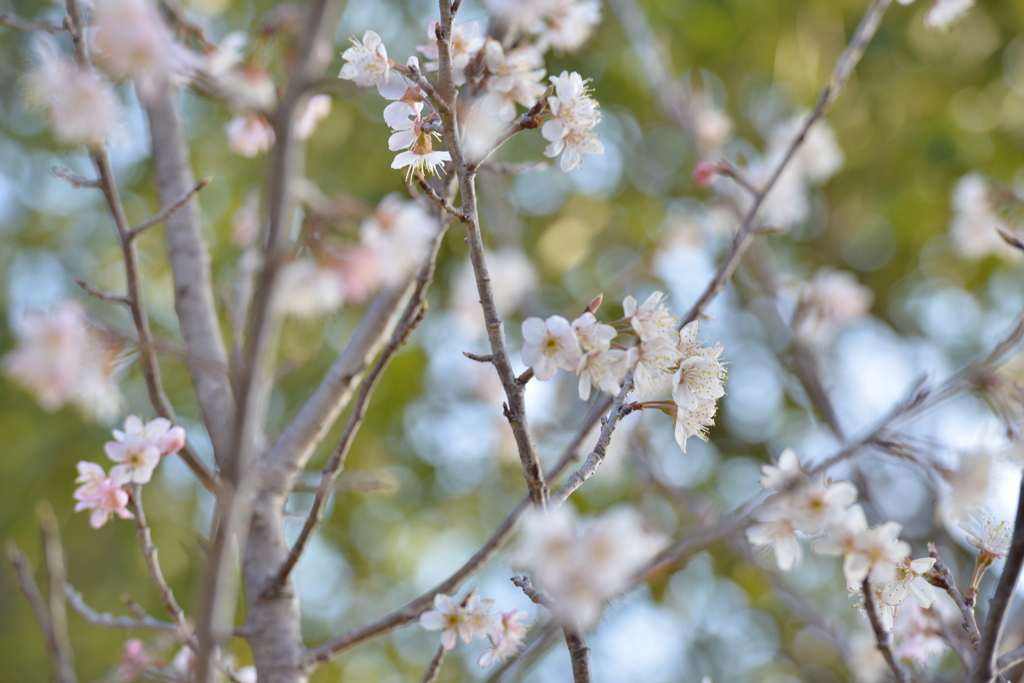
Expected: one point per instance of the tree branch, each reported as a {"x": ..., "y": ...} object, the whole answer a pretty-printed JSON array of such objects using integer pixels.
[
  {"x": 579, "y": 653},
  {"x": 514, "y": 392},
  {"x": 433, "y": 669},
  {"x": 883, "y": 638},
  {"x": 149, "y": 551},
  {"x": 985, "y": 667},
  {"x": 56, "y": 572},
  {"x": 944, "y": 579},
  {"x": 170, "y": 210},
  {"x": 29, "y": 26},
  {"x": 107, "y": 620}
]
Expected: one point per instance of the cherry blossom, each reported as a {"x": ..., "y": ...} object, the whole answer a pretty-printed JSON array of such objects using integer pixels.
[
  {"x": 508, "y": 638},
  {"x": 140, "y": 446},
  {"x": 775, "y": 529},
  {"x": 102, "y": 494},
  {"x": 574, "y": 116},
  {"x": 784, "y": 474},
  {"x": 132, "y": 41},
  {"x": 654, "y": 363},
  {"x": 694, "y": 420},
  {"x": 249, "y": 135},
  {"x": 944, "y": 13},
  {"x": 316, "y": 110},
  {"x": 652, "y": 319},
  {"x": 408, "y": 100},
  {"x": 992, "y": 539},
  {"x": 82, "y": 106},
  {"x": 420, "y": 156},
  {"x": 820, "y": 504},
  {"x": 134, "y": 658},
  {"x": 308, "y": 289},
  {"x": 366, "y": 62},
  {"x": 567, "y": 24},
  {"x": 909, "y": 581},
  {"x": 594, "y": 367},
  {"x": 400, "y": 232},
  {"x": 975, "y": 222},
  {"x": 457, "y": 621},
  {"x": 920, "y": 634},
  {"x": 550, "y": 345},
  {"x": 51, "y": 349},
  {"x": 515, "y": 77},
  {"x": 467, "y": 40},
  {"x": 876, "y": 551}
]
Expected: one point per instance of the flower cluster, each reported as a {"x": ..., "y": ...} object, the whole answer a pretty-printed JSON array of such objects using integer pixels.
[
  {"x": 663, "y": 361},
  {"x": 393, "y": 241},
  {"x": 501, "y": 77},
  {"x": 137, "y": 451},
  {"x": 976, "y": 222},
  {"x": 472, "y": 618},
  {"x": 62, "y": 358},
  {"x": 832, "y": 298},
  {"x": 583, "y": 566}
]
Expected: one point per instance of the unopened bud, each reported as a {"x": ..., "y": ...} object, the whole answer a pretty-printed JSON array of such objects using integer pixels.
[
  {"x": 705, "y": 173},
  {"x": 595, "y": 303}
]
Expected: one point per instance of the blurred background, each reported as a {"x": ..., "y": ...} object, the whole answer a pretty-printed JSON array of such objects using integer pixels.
[{"x": 434, "y": 469}]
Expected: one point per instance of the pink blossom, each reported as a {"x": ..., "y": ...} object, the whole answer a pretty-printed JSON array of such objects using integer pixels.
[
  {"x": 510, "y": 636},
  {"x": 50, "y": 353},
  {"x": 101, "y": 494},
  {"x": 366, "y": 62},
  {"x": 704, "y": 173},
  {"x": 140, "y": 446},
  {"x": 472, "y": 619},
  {"x": 134, "y": 659}
]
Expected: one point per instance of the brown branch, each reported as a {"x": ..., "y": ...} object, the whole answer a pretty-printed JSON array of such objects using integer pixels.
[
  {"x": 985, "y": 667},
  {"x": 411, "y": 612},
  {"x": 107, "y": 620},
  {"x": 29, "y": 26},
  {"x": 135, "y": 300},
  {"x": 943, "y": 579},
  {"x": 53, "y": 553},
  {"x": 433, "y": 669},
  {"x": 73, "y": 179},
  {"x": 441, "y": 202},
  {"x": 579, "y": 653},
  {"x": 883, "y": 638},
  {"x": 102, "y": 294},
  {"x": 414, "y": 312},
  {"x": 619, "y": 409},
  {"x": 149, "y": 551},
  {"x": 361, "y": 482},
  {"x": 479, "y": 359},
  {"x": 170, "y": 210},
  {"x": 1010, "y": 659},
  {"x": 59, "y": 660},
  {"x": 466, "y": 173}
]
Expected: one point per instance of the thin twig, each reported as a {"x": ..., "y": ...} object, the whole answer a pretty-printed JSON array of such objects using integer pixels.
[
  {"x": 170, "y": 210},
  {"x": 74, "y": 179},
  {"x": 883, "y": 638},
  {"x": 28, "y": 586},
  {"x": 985, "y": 667},
  {"x": 433, "y": 669},
  {"x": 108, "y": 620},
  {"x": 943, "y": 578},
  {"x": 443, "y": 203},
  {"x": 103, "y": 294},
  {"x": 579, "y": 653},
  {"x": 360, "y": 482},
  {"x": 479, "y": 359},
  {"x": 446, "y": 94},
  {"x": 56, "y": 571},
  {"x": 149, "y": 551},
  {"x": 29, "y": 26}
]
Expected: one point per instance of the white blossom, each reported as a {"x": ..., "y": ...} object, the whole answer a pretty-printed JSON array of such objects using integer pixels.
[
  {"x": 467, "y": 40},
  {"x": 694, "y": 420},
  {"x": 400, "y": 232},
  {"x": 507, "y": 640},
  {"x": 249, "y": 135},
  {"x": 785, "y": 473},
  {"x": 514, "y": 77},
  {"x": 599, "y": 364},
  {"x": 307, "y": 289},
  {"x": 656, "y": 361},
  {"x": 944, "y": 13},
  {"x": 567, "y": 24},
  {"x": 652, "y": 319},
  {"x": 51, "y": 350},
  {"x": 315, "y": 110},
  {"x": 574, "y": 116},
  {"x": 81, "y": 104},
  {"x": 876, "y": 551},
  {"x": 909, "y": 581},
  {"x": 366, "y": 62},
  {"x": 775, "y": 529},
  {"x": 455, "y": 621},
  {"x": 975, "y": 222},
  {"x": 992, "y": 539},
  {"x": 549, "y": 346}
]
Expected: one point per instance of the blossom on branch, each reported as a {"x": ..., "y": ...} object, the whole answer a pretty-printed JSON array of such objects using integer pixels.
[
  {"x": 366, "y": 62},
  {"x": 549, "y": 346},
  {"x": 140, "y": 446},
  {"x": 514, "y": 77},
  {"x": 249, "y": 135},
  {"x": 467, "y": 41},
  {"x": 102, "y": 494},
  {"x": 472, "y": 619},
  {"x": 992, "y": 539},
  {"x": 574, "y": 116},
  {"x": 507, "y": 638}
]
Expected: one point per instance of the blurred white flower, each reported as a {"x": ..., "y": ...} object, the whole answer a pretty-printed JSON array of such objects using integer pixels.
[
  {"x": 400, "y": 231},
  {"x": 82, "y": 106},
  {"x": 307, "y": 289},
  {"x": 51, "y": 350},
  {"x": 249, "y": 135},
  {"x": 515, "y": 77},
  {"x": 582, "y": 568},
  {"x": 975, "y": 223},
  {"x": 566, "y": 24},
  {"x": 513, "y": 280},
  {"x": 785, "y": 473},
  {"x": 507, "y": 640},
  {"x": 132, "y": 41},
  {"x": 876, "y": 551},
  {"x": 467, "y": 40},
  {"x": 316, "y": 110},
  {"x": 944, "y": 13}
]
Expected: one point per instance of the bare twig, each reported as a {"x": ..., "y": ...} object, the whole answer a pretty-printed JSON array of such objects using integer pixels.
[
  {"x": 466, "y": 172},
  {"x": 478, "y": 358},
  {"x": 29, "y": 26},
  {"x": 102, "y": 294},
  {"x": 943, "y": 578},
  {"x": 414, "y": 312},
  {"x": 433, "y": 669},
  {"x": 514, "y": 169},
  {"x": 107, "y": 620},
  {"x": 883, "y": 638},
  {"x": 74, "y": 179},
  {"x": 56, "y": 572},
  {"x": 619, "y": 409},
  {"x": 1010, "y": 659},
  {"x": 985, "y": 667},
  {"x": 357, "y": 482},
  {"x": 59, "y": 660},
  {"x": 579, "y": 653},
  {"x": 443, "y": 203},
  {"x": 170, "y": 210},
  {"x": 149, "y": 551}
]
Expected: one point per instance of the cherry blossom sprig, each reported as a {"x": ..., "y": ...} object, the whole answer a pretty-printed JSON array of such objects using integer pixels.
[
  {"x": 473, "y": 618},
  {"x": 664, "y": 361}
]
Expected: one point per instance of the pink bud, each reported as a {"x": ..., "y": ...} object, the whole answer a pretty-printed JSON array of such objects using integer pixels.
[
  {"x": 704, "y": 173},
  {"x": 173, "y": 441}
]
